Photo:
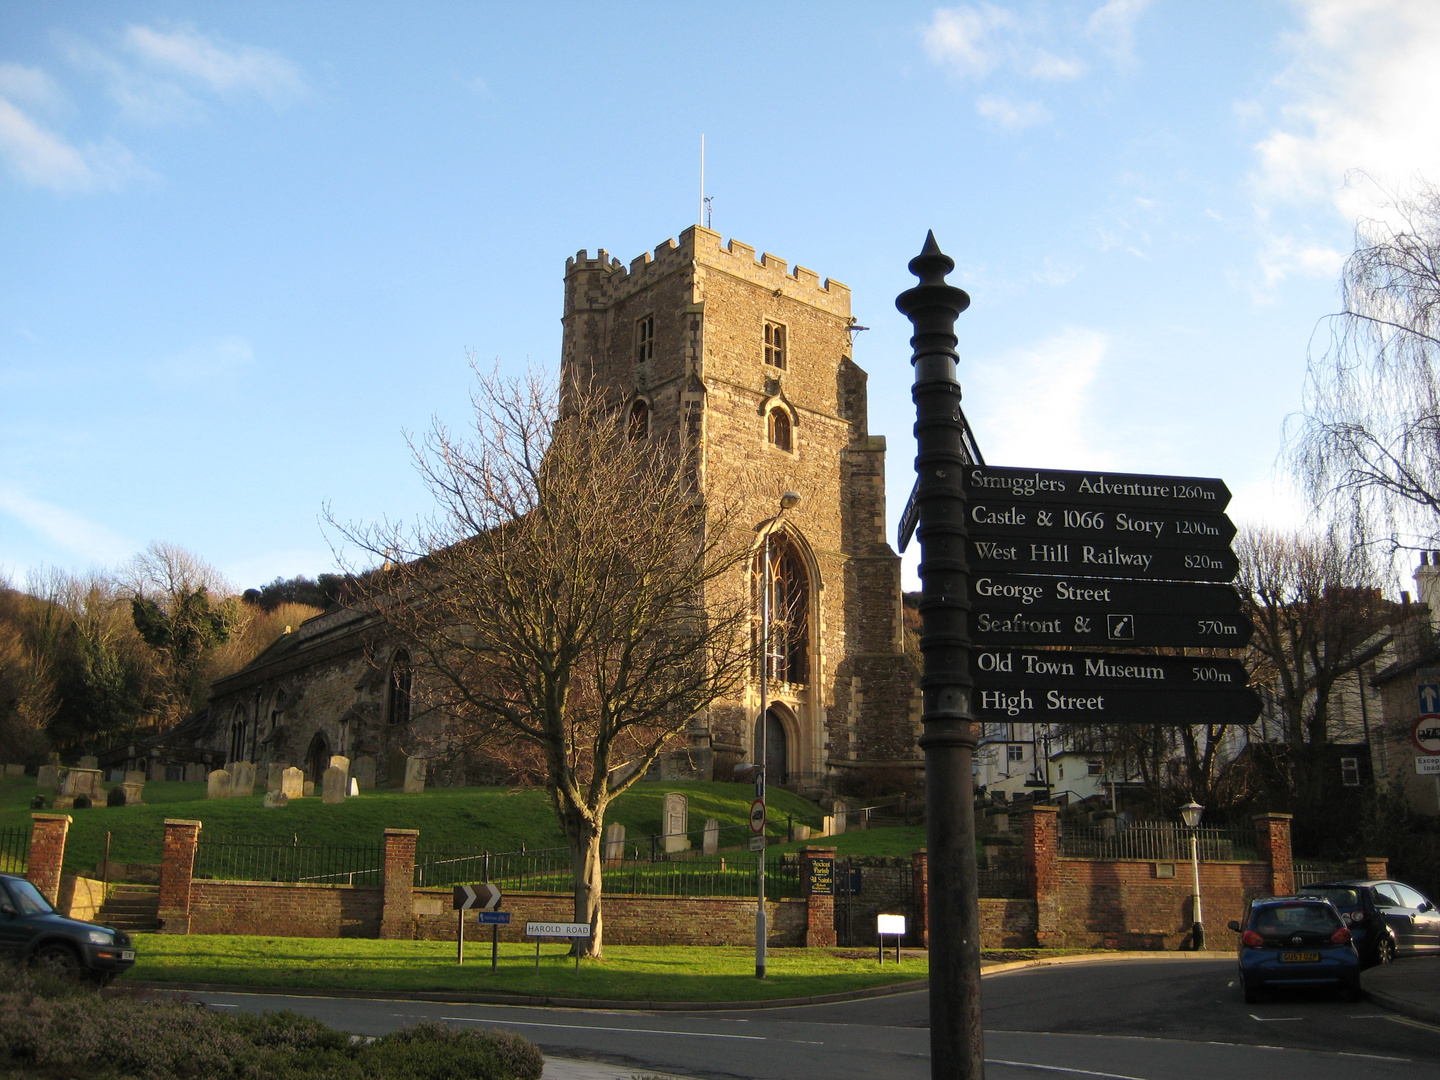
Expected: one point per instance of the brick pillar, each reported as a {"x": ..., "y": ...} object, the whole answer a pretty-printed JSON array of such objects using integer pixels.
[
  {"x": 397, "y": 919},
  {"x": 1040, "y": 856},
  {"x": 1272, "y": 839},
  {"x": 177, "y": 866},
  {"x": 1372, "y": 868},
  {"x": 47, "y": 853},
  {"x": 817, "y": 880},
  {"x": 920, "y": 868}
]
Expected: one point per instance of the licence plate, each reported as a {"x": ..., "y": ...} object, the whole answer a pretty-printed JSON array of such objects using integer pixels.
[
  {"x": 127, "y": 954},
  {"x": 1300, "y": 958}
]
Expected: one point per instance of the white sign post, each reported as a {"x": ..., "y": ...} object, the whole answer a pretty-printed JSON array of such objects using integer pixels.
[
  {"x": 538, "y": 930},
  {"x": 893, "y": 925}
]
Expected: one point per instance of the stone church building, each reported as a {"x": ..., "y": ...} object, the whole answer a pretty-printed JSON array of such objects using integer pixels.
[{"x": 750, "y": 363}]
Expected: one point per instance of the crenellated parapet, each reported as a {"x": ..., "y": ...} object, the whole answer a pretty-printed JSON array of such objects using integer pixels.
[{"x": 593, "y": 283}]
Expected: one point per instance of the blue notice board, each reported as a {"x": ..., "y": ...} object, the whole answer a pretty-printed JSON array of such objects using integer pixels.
[{"x": 494, "y": 918}]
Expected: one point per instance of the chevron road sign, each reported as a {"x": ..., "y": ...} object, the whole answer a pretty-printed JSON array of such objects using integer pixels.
[{"x": 486, "y": 897}]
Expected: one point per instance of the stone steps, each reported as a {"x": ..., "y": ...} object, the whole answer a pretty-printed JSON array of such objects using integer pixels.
[{"x": 132, "y": 908}]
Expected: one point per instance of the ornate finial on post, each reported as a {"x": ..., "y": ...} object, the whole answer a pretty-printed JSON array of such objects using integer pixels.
[{"x": 956, "y": 1040}]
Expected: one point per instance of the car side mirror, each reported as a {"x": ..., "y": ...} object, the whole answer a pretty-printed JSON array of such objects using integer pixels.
[
  {"x": 1233, "y": 925},
  {"x": 1425, "y": 905},
  {"x": 7, "y": 910}
]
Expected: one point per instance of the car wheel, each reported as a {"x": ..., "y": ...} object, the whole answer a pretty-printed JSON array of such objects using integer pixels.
[
  {"x": 1385, "y": 950},
  {"x": 57, "y": 960}
]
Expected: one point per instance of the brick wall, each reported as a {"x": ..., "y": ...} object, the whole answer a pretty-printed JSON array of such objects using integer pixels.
[
  {"x": 398, "y": 881},
  {"x": 177, "y": 866},
  {"x": 80, "y": 897},
  {"x": 47, "y": 853},
  {"x": 280, "y": 910}
]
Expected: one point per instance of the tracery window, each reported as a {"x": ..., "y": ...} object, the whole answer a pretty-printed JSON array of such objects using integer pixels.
[
  {"x": 398, "y": 704},
  {"x": 780, "y": 429},
  {"x": 644, "y": 339},
  {"x": 787, "y": 655},
  {"x": 775, "y": 345},
  {"x": 639, "y": 427}
]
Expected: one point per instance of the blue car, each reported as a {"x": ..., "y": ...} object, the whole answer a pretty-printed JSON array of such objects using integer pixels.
[{"x": 1296, "y": 941}]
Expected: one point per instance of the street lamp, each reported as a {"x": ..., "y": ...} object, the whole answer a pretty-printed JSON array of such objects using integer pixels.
[
  {"x": 788, "y": 501},
  {"x": 1190, "y": 814}
]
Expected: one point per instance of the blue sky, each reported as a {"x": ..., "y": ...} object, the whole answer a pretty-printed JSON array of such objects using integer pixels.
[{"x": 246, "y": 246}]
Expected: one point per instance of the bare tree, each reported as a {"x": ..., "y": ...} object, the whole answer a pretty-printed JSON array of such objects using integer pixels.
[
  {"x": 563, "y": 594},
  {"x": 1371, "y": 426}
]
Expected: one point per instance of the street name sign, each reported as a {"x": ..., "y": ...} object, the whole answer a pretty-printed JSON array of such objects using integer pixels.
[
  {"x": 1035, "y": 553},
  {"x": 483, "y": 896},
  {"x": 557, "y": 929},
  {"x": 1091, "y": 489},
  {"x": 493, "y": 918},
  {"x": 1156, "y": 528},
  {"x": 1063, "y": 704},
  {"x": 1079, "y": 595}
]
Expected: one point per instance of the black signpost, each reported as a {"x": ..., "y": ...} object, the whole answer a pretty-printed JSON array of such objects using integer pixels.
[
  {"x": 1130, "y": 490},
  {"x": 1034, "y": 553},
  {"x": 1100, "y": 524}
]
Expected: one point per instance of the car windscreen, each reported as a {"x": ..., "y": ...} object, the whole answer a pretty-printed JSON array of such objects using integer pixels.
[
  {"x": 1343, "y": 898},
  {"x": 1296, "y": 919},
  {"x": 28, "y": 898}
]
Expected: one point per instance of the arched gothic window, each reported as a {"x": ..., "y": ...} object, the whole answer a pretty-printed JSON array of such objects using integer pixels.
[
  {"x": 639, "y": 420},
  {"x": 397, "y": 707},
  {"x": 780, "y": 429},
  {"x": 237, "y": 735},
  {"x": 787, "y": 653}
]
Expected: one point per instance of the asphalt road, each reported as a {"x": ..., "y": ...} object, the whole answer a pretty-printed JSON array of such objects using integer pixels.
[{"x": 1164, "y": 1019}]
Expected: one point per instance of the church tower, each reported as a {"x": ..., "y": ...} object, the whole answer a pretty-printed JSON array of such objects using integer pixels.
[{"x": 750, "y": 362}]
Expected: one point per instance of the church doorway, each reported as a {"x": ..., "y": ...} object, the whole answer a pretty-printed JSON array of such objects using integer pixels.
[
  {"x": 777, "y": 748},
  {"x": 317, "y": 758}
]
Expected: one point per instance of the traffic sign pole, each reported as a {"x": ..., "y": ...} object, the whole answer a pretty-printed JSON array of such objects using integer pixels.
[{"x": 956, "y": 1037}]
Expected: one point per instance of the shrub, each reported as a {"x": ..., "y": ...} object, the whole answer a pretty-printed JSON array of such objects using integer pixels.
[{"x": 430, "y": 1051}]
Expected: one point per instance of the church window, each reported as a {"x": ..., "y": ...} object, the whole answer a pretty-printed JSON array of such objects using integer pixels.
[
  {"x": 780, "y": 429},
  {"x": 398, "y": 705},
  {"x": 775, "y": 345},
  {"x": 787, "y": 653},
  {"x": 639, "y": 427},
  {"x": 645, "y": 339}
]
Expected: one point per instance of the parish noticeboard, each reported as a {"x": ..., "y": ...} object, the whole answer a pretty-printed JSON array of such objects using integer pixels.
[{"x": 820, "y": 877}]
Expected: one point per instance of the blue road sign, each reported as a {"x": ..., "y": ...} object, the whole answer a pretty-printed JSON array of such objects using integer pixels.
[
  {"x": 494, "y": 918},
  {"x": 1429, "y": 699}
]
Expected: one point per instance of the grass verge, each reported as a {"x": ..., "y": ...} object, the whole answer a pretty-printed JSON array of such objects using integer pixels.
[{"x": 627, "y": 973}]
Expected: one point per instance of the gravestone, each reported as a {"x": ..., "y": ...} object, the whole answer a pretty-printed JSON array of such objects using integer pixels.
[
  {"x": 309, "y": 789},
  {"x": 711, "y": 842},
  {"x": 395, "y": 768},
  {"x": 332, "y": 785},
  {"x": 82, "y": 782},
  {"x": 292, "y": 782},
  {"x": 134, "y": 791},
  {"x": 133, "y": 776},
  {"x": 48, "y": 776},
  {"x": 242, "y": 780},
  {"x": 157, "y": 769},
  {"x": 274, "y": 776},
  {"x": 353, "y": 789},
  {"x": 614, "y": 849},
  {"x": 89, "y": 761},
  {"x": 275, "y": 798},
  {"x": 799, "y": 832},
  {"x": 12, "y": 771},
  {"x": 195, "y": 773},
  {"x": 217, "y": 785},
  {"x": 363, "y": 770},
  {"x": 414, "y": 775},
  {"x": 676, "y": 818},
  {"x": 340, "y": 761},
  {"x": 115, "y": 776}
]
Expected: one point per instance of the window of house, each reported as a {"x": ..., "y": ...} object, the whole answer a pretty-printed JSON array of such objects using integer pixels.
[
  {"x": 1015, "y": 752},
  {"x": 398, "y": 705},
  {"x": 780, "y": 429},
  {"x": 1350, "y": 771},
  {"x": 639, "y": 420},
  {"x": 1095, "y": 766},
  {"x": 775, "y": 345},
  {"x": 645, "y": 339}
]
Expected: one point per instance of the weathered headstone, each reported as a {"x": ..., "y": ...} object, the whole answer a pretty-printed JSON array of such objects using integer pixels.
[
  {"x": 89, "y": 761},
  {"x": 275, "y": 776},
  {"x": 353, "y": 789},
  {"x": 82, "y": 782},
  {"x": 799, "y": 832},
  {"x": 340, "y": 761},
  {"x": 395, "y": 768},
  {"x": 217, "y": 785},
  {"x": 275, "y": 798},
  {"x": 133, "y": 776},
  {"x": 676, "y": 816},
  {"x": 614, "y": 849},
  {"x": 363, "y": 770},
  {"x": 12, "y": 771},
  {"x": 134, "y": 791},
  {"x": 48, "y": 776},
  {"x": 414, "y": 775},
  {"x": 157, "y": 769},
  {"x": 309, "y": 789},
  {"x": 711, "y": 843},
  {"x": 332, "y": 785},
  {"x": 242, "y": 780},
  {"x": 195, "y": 773},
  {"x": 292, "y": 783}
]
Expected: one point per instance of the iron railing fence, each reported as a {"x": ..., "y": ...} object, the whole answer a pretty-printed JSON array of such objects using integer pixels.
[
  {"x": 1156, "y": 841},
  {"x": 1310, "y": 871},
  {"x": 15, "y": 849},
  {"x": 549, "y": 870},
  {"x": 224, "y": 859},
  {"x": 1003, "y": 881}
]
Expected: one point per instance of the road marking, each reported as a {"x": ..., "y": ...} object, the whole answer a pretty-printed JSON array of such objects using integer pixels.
[
  {"x": 222, "y": 1005},
  {"x": 1062, "y": 1069},
  {"x": 596, "y": 1027},
  {"x": 1274, "y": 1019},
  {"x": 1206, "y": 1042},
  {"x": 1412, "y": 1023}
]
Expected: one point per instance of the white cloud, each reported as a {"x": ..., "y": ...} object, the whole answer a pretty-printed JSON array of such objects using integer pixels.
[
  {"x": 41, "y": 158},
  {"x": 1049, "y": 66},
  {"x": 1036, "y": 402},
  {"x": 85, "y": 538},
  {"x": 1012, "y": 115},
  {"x": 223, "y": 69},
  {"x": 966, "y": 38},
  {"x": 1112, "y": 27},
  {"x": 30, "y": 86},
  {"x": 1358, "y": 95},
  {"x": 205, "y": 363}
]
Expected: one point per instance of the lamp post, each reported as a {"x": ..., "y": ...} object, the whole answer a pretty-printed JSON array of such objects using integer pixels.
[
  {"x": 1190, "y": 814},
  {"x": 788, "y": 501}
]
